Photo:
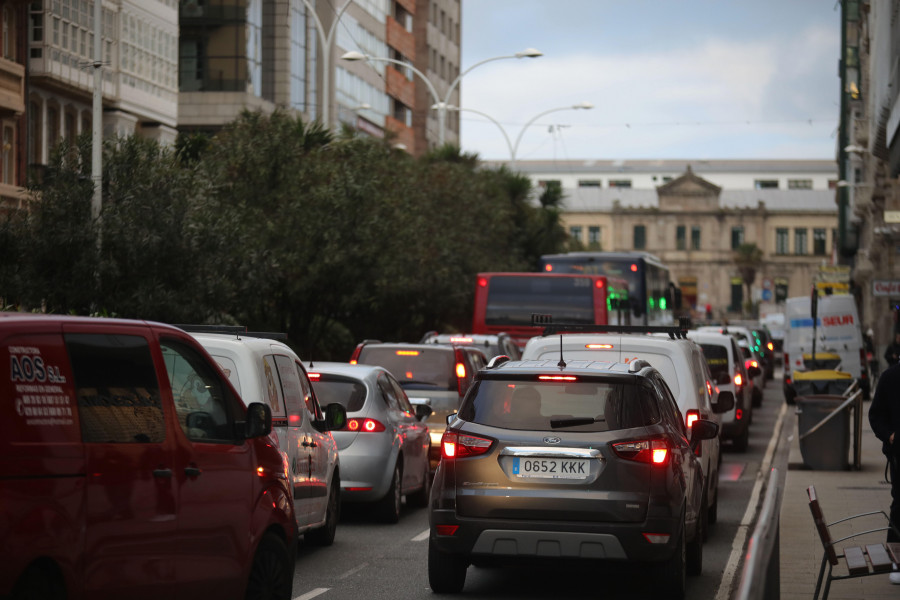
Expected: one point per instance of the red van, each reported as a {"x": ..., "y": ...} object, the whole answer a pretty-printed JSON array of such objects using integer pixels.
[{"x": 130, "y": 468}]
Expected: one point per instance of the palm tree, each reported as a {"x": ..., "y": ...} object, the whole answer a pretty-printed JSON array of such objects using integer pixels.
[{"x": 748, "y": 259}]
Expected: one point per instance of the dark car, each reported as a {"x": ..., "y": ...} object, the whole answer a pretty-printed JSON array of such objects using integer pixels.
[
  {"x": 592, "y": 459},
  {"x": 433, "y": 374}
]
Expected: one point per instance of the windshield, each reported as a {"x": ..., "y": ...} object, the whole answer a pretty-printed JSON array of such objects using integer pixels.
[{"x": 432, "y": 367}]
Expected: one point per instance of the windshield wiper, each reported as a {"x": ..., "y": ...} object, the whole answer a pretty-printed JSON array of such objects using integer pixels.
[{"x": 573, "y": 422}]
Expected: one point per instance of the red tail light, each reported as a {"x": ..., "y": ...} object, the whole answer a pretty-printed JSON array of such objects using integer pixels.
[
  {"x": 738, "y": 380},
  {"x": 364, "y": 425},
  {"x": 738, "y": 414},
  {"x": 354, "y": 358},
  {"x": 770, "y": 346},
  {"x": 655, "y": 452},
  {"x": 314, "y": 376},
  {"x": 461, "y": 370},
  {"x": 692, "y": 415},
  {"x": 455, "y": 445}
]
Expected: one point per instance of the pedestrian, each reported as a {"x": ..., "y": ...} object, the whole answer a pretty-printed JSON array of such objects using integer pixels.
[
  {"x": 884, "y": 417},
  {"x": 892, "y": 354}
]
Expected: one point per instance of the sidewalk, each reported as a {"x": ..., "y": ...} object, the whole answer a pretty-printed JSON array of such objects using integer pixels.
[{"x": 841, "y": 494}]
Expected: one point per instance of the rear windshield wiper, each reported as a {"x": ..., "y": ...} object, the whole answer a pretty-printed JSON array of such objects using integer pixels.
[{"x": 573, "y": 422}]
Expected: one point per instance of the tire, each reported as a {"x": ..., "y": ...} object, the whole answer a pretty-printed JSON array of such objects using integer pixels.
[
  {"x": 757, "y": 397},
  {"x": 39, "y": 583},
  {"x": 272, "y": 574},
  {"x": 420, "y": 498},
  {"x": 324, "y": 535},
  {"x": 446, "y": 572},
  {"x": 673, "y": 572},
  {"x": 742, "y": 441},
  {"x": 694, "y": 548},
  {"x": 388, "y": 508},
  {"x": 713, "y": 512}
]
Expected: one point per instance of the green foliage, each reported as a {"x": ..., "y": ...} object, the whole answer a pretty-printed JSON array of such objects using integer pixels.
[{"x": 278, "y": 225}]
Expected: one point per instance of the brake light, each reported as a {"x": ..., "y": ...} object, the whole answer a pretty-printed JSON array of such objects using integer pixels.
[
  {"x": 770, "y": 346},
  {"x": 548, "y": 268},
  {"x": 460, "y": 340},
  {"x": 557, "y": 378},
  {"x": 739, "y": 414},
  {"x": 364, "y": 425},
  {"x": 455, "y": 445},
  {"x": 352, "y": 361},
  {"x": 654, "y": 452},
  {"x": 599, "y": 283},
  {"x": 407, "y": 352},
  {"x": 314, "y": 376},
  {"x": 460, "y": 370},
  {"x": 634, "y": 268},
  {"x": 751, "y": 363},
  {"x": 692, "y": 416},
  {"x": 709, "y": 388},
  {"x": 598, "y": 346},
  {"x": 482, "y": 282},
  {"x": 738, "y": 380}
]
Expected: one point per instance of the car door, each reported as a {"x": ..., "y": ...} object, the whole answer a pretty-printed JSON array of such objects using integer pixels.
[
  {"x": 323, "y": 454},
  {"x": 215, "y": 472},
  {"x": 130, "y": 491},
  {"x": 293, "y": 431},
  {"x": 418, "y": 441}
]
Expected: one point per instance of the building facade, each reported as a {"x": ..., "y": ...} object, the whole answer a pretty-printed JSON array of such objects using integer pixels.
[
  {"x": 13, "y": 122},
  {"x": 696, "y": 227}
]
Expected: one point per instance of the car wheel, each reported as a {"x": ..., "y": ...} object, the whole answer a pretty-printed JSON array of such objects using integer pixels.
[
  {"x": 713, "y": 512},
  {"x": 673, "y": 572},
  {"x": 39, "y": 583},
  {"x": 742, "y": 441},
  {"x": 757, "y": 397},
  {"x": 420, "y": 499},
  {"x": 694, "y": 548},
  {"x": 446, "y": 572},
  {"x": 389, "y": 506},
  {"x": 324, "y": 535},
  {"x": 272, "y": 574}
]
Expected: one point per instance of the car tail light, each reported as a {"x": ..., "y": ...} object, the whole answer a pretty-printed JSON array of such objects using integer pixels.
[
  {"x": 657, "y": 538},
  {"x": 654, "y": 452},
  {"x": 691, "y": 416},
  {"x": 770, "y": 346},
  {"x": 598, "y": 346},
  {"x": 599, "y": 283},
  {"x": 738, "y": 380},
  {"x": 460, "y": 340},
  {"x": 364, "y": 426},
  {"x": 557, "y": 378},
  {"x": 314, "y": 376},
  {"x": 462, "y": 379},
  {"x": 446, "y": 529},
  {"x": 738, "y": 414},
  {"x": 457, "y": 445},
  {"x": 354, "y": 358},
  {"x": 751, "y": 363},
  {"x": 709, "y": 388},
  {"x": 461, "y": 370},
  {"x": 407, "y": 352},
  {"x": 482, "y": 282}
]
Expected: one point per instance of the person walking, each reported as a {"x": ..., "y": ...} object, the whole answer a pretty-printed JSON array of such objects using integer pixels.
[
  {"x": 892, "y": 353},
  {"x": 884, "y": 417}
]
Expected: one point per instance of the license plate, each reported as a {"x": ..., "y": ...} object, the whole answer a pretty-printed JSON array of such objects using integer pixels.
[{"x": 550, "y": 468}]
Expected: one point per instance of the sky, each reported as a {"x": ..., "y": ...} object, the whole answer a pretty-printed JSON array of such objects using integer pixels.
[{"x": 704, "y": 79}]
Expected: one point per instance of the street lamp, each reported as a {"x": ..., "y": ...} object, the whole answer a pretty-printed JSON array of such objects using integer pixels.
[
  {"x": 440, "y": 105},
  {"x": 514, "y": 147},
  {"x": 325, "y": 39}
]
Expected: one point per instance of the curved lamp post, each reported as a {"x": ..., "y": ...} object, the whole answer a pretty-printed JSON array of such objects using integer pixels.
[
  {"x": 513, "y": 147},
  {"x": 441, "y": 106},
  {"x": 326, "y": 39}
]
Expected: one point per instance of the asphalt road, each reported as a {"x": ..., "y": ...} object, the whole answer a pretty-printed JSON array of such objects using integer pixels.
[{"x": 389, "y": 562}]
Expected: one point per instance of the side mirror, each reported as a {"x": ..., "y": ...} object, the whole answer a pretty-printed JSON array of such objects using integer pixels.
[
  {"x": 725, "y": 402},
  {"x": 335, "y": 416},
  {"x": 259, "y": 420},
  {"x": 703, "y": 430},
  {"x": 753, "y": 371},
  {"x": 423, "y": 411}
]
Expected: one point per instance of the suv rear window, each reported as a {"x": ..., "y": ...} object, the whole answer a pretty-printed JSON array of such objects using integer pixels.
[
  {"x": 425, "y": 368},
  {"x": 348, "y": 392},
  {"x": 580, "y": 406},
  {"x": 716, "y": 358}
]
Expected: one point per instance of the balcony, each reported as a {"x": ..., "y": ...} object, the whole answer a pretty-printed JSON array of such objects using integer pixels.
[{"x": 12, "y": 87}]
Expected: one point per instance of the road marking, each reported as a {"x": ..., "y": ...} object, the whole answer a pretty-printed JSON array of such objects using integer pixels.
[
  {"x": 312, "y": 594},
  {"x": 422, "y": 536},
  {"x": 354, "y": 570},
  {"x": 737, "y": 547}
]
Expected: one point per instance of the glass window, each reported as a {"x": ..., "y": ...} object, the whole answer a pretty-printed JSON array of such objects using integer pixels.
[
  {"x": 781, "y": 241},
  {"x": 737, "y": 237},
  {"x": 274, "y": 395},
  {"x": 765, "y": 184},
  {"x": 594, "y": 235},
  {"x": 640, "y": 237},
  {"x": 205, "y": 407},
  {"x": 290, "y": 385},
  {"x": 800, "y": 184},
  {"x": 430, "y": 368},
  {"x": 349, "y": 393},
  {"x": 389, "y": 394},
  {"x": 620, "y": 183},
  {"x": 681, "y": 237},
  {"x": 575, "y": 232},
  {"x": 820, "y": 238},
  {"x": 589, "y": 183},
  {"x": 402, "y": 398},
  {"x": 800, "y": 241},
  {"x": 312, "y": 404},
  {"x": 117, "y": 389},
  {"x": 695, "y": 237}
]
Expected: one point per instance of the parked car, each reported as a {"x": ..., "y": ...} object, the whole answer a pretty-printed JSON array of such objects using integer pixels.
[
  {"x": 384, "y": 445},
  {"x": 724, "y": 358},
  {"x": 131, "y": 468},
  {"x": 679, "y": 360},
  {"x": 267, "y": 370},
  {"x": 432, "y": 374},
  {"x": 491, "y": 345},
  {"x": 591, "y": 459}
]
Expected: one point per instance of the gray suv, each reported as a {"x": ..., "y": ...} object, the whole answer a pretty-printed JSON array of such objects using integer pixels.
[{"x": 580, "y": 459}]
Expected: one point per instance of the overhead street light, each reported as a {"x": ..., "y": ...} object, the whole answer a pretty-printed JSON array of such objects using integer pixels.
[
  {"x": 440, "y": 105},
  {"x": 326, "y": 39},
  {"x": 513, "y": 147}
]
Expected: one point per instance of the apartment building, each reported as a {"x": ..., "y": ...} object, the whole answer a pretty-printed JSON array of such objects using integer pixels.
[{"x": 13, "y": 39}]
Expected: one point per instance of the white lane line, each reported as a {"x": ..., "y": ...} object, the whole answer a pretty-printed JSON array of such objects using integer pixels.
[
  {"x": 421, "y": 537},
  {"x": 737, "y": 547},
  {"x": 312, "y": 594},
  {"x": 353, "y": 570}
]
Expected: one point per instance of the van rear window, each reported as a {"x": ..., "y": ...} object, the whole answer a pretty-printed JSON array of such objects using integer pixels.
[
  {"x": 716, "y": 358},
  {"x": 591, "y": 406},
  {"x": 415, "y": 368},
  {"x": 117, "y": 389}
]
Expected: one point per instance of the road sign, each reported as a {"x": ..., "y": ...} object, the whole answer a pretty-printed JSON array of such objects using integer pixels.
[{"x": 766, "y": 295}]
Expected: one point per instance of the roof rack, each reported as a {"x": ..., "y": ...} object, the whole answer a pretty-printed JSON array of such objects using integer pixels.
[
  {"x": 550, "y": 328},
  {"x": 236, "y": 330}
]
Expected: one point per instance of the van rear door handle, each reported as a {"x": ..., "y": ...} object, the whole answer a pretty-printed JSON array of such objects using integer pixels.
[
  {"x": 162, "y": 473},
  {"x": 192, "y": 471}
]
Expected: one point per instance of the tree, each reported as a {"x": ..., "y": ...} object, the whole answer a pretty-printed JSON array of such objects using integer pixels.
[{"x": 748, "y": 260}]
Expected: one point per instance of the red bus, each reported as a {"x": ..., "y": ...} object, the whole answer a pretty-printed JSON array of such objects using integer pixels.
[{"x": 504, "y": 302}]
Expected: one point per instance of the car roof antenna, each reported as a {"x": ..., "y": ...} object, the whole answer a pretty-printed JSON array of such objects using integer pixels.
[{"x": 562, "y": 363}]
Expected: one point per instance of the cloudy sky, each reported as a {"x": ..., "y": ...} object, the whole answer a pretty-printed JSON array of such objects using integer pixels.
[{"x": 668, "y": 79}]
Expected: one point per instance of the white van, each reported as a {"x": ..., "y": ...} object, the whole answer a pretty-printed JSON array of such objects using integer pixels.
[{"x": 838, "y": 333}]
